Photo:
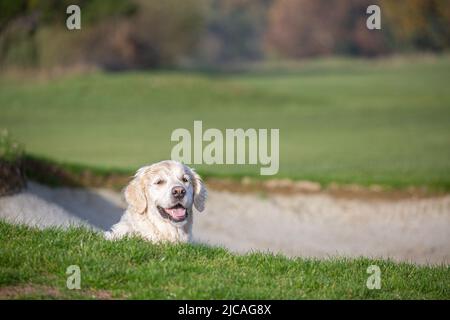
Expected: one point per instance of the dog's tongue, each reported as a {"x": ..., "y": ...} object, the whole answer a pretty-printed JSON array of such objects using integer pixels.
[{"x": 177, "y": 213}]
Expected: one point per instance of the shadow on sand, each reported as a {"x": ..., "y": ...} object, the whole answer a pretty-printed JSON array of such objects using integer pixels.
[{"x": 99, "y": 208}]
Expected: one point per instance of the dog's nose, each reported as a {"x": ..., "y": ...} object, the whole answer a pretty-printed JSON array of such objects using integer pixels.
[{"x": 178, "y": 192}]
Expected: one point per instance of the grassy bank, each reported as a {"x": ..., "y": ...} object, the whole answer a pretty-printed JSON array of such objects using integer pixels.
[
  {"x": 344, "y": 121},
  {"x": 33, "y": 265}
]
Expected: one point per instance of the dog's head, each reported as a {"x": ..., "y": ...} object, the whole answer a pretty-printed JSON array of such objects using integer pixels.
[{"x": 167, "y": 189}]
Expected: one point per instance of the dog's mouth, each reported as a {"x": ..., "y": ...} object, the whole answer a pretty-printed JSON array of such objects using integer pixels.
[{"x": 177, "y": 213}]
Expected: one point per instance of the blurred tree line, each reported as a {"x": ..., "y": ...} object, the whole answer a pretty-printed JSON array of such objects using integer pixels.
[{"x": 131, "y": 34}]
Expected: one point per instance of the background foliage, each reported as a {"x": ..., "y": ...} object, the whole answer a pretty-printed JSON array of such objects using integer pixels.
[{"x": 135, "y": 34}]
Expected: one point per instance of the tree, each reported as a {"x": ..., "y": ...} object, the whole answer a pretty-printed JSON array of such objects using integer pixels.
[
  {"x": 419, "y": 24},
  {"x": 302, "y": 28}
]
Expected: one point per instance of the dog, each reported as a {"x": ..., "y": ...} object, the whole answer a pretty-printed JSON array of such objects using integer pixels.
[{"x": 160, "y": 201}]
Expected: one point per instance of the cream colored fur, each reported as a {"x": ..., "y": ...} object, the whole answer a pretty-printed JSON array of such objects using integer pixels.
[{"x": 150, "y": 188}]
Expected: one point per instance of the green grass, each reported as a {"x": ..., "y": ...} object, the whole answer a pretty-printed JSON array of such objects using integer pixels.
[
  {"x": 345, "y": 121},
  {"x": 135, "y": 269},
  {"x": 10, "y": 151}
]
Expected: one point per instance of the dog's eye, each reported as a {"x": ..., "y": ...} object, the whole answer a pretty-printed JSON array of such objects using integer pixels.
[
  {"x": 185, "y": 179},
  {"x": 159, "y": 181}
]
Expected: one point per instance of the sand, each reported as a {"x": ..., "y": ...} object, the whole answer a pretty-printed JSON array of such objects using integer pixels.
[{"x": 307, "y": 225}]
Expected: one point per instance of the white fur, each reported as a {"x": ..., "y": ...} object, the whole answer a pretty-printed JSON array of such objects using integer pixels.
[{"x": 143, "y": 194}]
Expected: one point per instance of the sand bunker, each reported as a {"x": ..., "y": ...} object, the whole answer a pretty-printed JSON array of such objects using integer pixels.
[{"x": 310, "y": 225}]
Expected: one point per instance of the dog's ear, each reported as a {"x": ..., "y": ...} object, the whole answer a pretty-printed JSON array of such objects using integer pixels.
[
  {"x": 135, "y": 195},
  {"x": 200, "y": 193}
]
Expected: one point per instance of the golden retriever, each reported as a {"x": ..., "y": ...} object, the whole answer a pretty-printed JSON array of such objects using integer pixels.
[{"x": 160, "y": 199}]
